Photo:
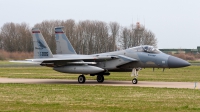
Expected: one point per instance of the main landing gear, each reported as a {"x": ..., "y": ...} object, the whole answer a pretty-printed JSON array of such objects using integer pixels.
[
  {"x": 135, "y": 75},
  {"x": 81, "y": 78},
  {"x": 100, "y": 78}
]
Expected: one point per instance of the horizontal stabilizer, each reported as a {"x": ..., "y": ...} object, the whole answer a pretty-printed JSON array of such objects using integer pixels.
[{"x": 28, "y": 62}]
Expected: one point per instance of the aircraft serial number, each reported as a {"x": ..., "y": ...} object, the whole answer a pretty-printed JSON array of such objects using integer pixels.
[{"x": 43, "y": 53}]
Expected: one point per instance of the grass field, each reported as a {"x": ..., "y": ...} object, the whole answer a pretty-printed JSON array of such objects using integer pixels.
[{"x": 61, "y": 97}]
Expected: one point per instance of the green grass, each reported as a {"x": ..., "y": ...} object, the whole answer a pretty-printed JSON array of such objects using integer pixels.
[
  {"x": 195, "y": 61},
  {"x": 188, "y": 74},
  {"x": 61, "y": 97}
]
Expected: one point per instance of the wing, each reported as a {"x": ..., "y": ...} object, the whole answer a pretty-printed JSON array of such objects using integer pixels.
[
  {"x": 78, "y": 59},
  {"x": 73, "y": 58}
]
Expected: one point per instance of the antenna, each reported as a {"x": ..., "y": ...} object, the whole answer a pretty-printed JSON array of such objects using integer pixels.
[
  {"x": 132, "y": 22},
  {"x": 132, "y": 25}
]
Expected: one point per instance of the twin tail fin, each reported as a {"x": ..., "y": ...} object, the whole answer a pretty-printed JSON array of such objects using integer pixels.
[
  {"x": 41, "y": 49},
  {"x": 63, "y": 45}
]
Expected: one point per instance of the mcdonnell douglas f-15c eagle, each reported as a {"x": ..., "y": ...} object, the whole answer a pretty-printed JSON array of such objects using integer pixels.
[{"x": 68, "y": 61}]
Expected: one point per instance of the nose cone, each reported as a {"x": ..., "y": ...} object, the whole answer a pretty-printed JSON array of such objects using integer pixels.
[{"x": 174, "y": 62}]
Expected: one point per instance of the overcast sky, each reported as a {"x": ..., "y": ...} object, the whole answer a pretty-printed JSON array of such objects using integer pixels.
[{"x": 176, "y": 23}]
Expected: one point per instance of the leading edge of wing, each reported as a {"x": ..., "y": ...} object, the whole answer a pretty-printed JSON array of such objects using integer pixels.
[
  {"x": 67, "y": 59},
  {"x": 82, "y": 58}
]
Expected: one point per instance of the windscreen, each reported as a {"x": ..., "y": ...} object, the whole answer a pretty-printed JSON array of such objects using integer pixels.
[
  {"x": 150, "y": 49},
  {"x": 146, "y": 48}
]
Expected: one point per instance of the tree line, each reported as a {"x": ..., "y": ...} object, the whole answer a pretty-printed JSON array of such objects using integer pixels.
[{"x": 87, "y": 37}]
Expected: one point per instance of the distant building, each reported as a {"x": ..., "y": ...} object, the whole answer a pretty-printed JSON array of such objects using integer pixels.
[{"x": 181, "y": 51}]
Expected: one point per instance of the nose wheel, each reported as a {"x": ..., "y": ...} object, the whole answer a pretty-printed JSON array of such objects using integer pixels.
[
  {"x": 134, "y": 81},
  {"x": 81, "y": 79}
]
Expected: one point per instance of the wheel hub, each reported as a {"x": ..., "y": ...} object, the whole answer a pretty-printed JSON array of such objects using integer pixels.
[{"x": 81, "y": 79}]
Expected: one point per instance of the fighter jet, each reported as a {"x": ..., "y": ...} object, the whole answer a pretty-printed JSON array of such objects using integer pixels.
[{"x": 68, "y": 61}]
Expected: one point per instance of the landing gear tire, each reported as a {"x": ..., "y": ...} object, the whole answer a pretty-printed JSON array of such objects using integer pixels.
[
  {"x": 100, "y": 78},
  {"x": 134, "y": 81},
  {"x": 81, "y": 79}
]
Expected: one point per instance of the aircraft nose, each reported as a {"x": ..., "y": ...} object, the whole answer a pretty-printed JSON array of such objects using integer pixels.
[{"x": 174, "y": 62}]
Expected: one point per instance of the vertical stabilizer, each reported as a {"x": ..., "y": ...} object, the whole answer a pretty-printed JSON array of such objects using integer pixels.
[
  {"x": 41, "y": 49},
  {"x": 63, "y": 45}
]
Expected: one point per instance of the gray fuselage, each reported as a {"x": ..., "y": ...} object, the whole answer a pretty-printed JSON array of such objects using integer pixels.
[{"x": 126, "y": 60}]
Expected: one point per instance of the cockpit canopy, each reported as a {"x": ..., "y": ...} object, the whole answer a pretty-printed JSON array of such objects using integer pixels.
[{"x": 146, "y": 48}]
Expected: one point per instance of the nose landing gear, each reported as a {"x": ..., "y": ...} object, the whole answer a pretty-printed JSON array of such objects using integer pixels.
[
  {"x": 135, "y": 75},
  {"x": 134, "y": 81}
]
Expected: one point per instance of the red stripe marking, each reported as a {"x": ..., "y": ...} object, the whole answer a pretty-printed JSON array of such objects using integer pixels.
[
  {"x": 59, "y": 32},
  {"x": 35, "y": 31}
]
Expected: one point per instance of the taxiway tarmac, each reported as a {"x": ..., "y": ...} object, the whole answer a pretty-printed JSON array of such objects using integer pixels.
[{"x": 189, "y": 85}]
